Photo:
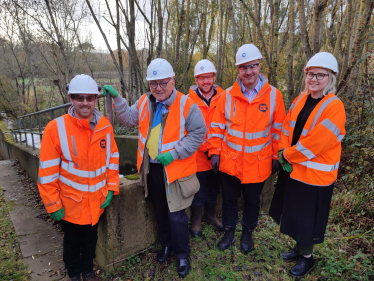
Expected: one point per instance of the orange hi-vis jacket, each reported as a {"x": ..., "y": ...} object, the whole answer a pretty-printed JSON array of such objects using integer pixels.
[
  {"x": 173, "y": 132},
  {"x": 77, "y": 167},
  {"x": 246, "y": 135},
  {"x": 316, "y": 156},
  {"x": 203, "y": 163}
]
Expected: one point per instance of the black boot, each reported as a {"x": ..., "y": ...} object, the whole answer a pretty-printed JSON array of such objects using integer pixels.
[
  {"x": 291, "y": 255},
  {"x": 228, "y": 239},
  {"x": 183, "y": 267},
  {"x": 302, "y": 267},
  {"x": 246, "y": 244},
  {"x": 196, "y": 218},
  {"x": 210, "y": 216},
  {"x": 163, "y": 254}
]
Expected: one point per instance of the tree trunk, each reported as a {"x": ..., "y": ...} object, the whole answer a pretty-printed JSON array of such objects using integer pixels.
[
  {"x": 160, "y": 28},
  {"x": 291, "y": 36},
  {"x": 205, "y": 51},
  {"x": 303, "y": 31},
  {"x": 233, "y": 24},
  {"x": 186, "y": 45},
  {"x": 219, "y": 43}
]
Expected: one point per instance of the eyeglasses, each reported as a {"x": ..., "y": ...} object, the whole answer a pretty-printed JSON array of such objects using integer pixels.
[
  {"x": 207, "y": 77},
  {"x": 163, "y": 85},
  {"x": 244, "y": 68},
  {"x": 81, "y": 98},
  {"x": 319, "y": 76}
]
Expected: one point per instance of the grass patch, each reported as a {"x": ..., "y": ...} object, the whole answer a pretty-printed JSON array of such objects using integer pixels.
[
  {"x": 11, "y": 264},
  {"x": 337, "y": 258}
]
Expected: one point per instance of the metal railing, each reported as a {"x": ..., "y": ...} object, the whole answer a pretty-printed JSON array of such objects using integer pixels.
[{"x": 21, "y": 123}]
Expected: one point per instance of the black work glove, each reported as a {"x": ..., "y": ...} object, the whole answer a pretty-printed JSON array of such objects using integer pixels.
[
  {"x": 215, "y": 163},
  {"x": 275, "y": 166}
]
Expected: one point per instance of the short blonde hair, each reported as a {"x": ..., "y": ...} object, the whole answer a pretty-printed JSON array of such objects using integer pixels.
[{"x": 330, "y": 86}]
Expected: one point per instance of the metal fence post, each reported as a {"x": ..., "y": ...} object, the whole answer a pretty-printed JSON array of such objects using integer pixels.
[
  {"x": 32, "y": 134},
  {"x": 19, "y": 130},
  {"x": 24, "y": 130},
  {"x": 40, "y": 128}
]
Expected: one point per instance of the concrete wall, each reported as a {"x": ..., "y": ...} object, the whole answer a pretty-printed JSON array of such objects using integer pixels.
[{"x": 127, "y": 225}]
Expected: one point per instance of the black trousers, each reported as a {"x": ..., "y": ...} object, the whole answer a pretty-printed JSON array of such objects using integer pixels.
[
  {"x": 79, "y": 247},
  {"x": 232, "y": 188},
  {"x": 210, "y": 186},
  {"x": 172, "y": 227}
]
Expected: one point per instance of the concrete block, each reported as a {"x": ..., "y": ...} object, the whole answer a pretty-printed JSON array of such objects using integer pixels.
[{"x": 127, "y": 226}]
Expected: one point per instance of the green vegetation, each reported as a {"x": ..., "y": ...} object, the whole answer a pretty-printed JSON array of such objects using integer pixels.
[
  {"x": 132, "y": 177},
  {"x": 338, "y": 258},
  {"x": 11, "y": 265}
]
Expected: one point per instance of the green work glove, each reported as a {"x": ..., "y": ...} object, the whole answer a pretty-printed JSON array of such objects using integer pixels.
[
  {"x": 107, "y": 200},
  {"x": 58, "y": 215},
  {"x": 109, "y": 89},
  {"x": 165, "y": 158},
  {"x": 285, "y": 165}
]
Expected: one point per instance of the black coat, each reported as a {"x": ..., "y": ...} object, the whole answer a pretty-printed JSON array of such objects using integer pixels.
[{"x": 302, "y": 210}]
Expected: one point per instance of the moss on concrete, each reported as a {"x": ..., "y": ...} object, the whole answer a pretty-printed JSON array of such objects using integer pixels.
[
  {"x": 132, "y": 177},
  {"x": 4, "y": 128}
]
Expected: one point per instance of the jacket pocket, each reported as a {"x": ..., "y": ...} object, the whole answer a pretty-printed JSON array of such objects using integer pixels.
[
  {"x": 72, "y": 202},
  {"x": 189, "y": 185},
  {"x": 265, "y": 161}
]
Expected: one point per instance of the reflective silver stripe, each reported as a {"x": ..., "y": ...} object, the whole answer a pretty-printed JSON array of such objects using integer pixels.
[
  {"x": 108, "y": 147},
  {"x": 63, "y": 138},
  {"x": 115, "y": 155},
  {"x": 302, "y": 149},
  {"x": 141, "y": 150},
  {"x": 49, "y": 163},
  {"x": 234, "y": 133},
  {"x": 319, "y": 112},
  {"x": 217, "y": 125},
  {"x": 331, "y": 126},
  {"x": 141, "y": 107},
  {"x": 48, "y": 179},
  {"x": 252, "y": 136},
  {"x": 277, "y": 125},
  {"x": 113, "y": 167},
  {"x": 292, "y": 123},
  {"x": 232, "y": 145},
  {"x": 320, "y": 167},
  {"x": 215, "y": 135},
  {"x": 169, "y": 145},
  {"x": 275, "y": 136},
  {"x": 83, "y": 187},
  {"x": 82, "y": 173},
  {"x": 182, "y": 120},
  {"x": 286, "y": 132},
  {"x": 273, "y": 99},
  {"x": 341, "y": 137},
  {"x": 141, "y": 138},
  {"x": 228, "y": 104},
  {"x": 255, "y": 148},
  {"x": 292, "y": 106}
]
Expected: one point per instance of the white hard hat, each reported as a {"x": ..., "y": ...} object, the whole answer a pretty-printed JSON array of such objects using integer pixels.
[
  {"x": 323, "y": 59},
  {"x": 159, "y": 69},
  {"x": 246, "y": 53},
  {"x": 83, "y": 84},
  {"x": 204, "y": 66}
]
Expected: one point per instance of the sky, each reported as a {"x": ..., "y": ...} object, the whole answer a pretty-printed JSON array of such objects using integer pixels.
[{"x": 97, "y": 39}]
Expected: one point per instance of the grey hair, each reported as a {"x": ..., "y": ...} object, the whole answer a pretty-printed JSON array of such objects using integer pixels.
[{"x": 330, "y": 86}]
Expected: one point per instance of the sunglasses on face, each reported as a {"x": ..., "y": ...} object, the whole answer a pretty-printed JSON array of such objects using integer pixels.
[
  {"x": 207, "y": 77},
  {"x": 81, "y": 98},
  {"x": 244, "y": 68},
  {"x": 154, "y": 85}
]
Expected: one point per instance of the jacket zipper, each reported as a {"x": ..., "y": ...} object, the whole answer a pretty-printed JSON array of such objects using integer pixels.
[{"x": 234, "y": 108}]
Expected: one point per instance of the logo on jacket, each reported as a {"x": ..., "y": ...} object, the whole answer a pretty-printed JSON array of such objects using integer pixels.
[
  {"x": 243, "y": 55},
  {"x": 103, "y": 143},
  {"x": 263, "y": 107},
  {"x": 154, "y": 72}
]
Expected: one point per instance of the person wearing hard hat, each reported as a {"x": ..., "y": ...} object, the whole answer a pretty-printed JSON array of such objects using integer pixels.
[
  {"x": 171, "y": 129},
  {"x": 78, "y": 174},
  {"x": 206, "y": 95},
  {"x": 243, "y": 138},
  {"x": 309, "y": 151}
]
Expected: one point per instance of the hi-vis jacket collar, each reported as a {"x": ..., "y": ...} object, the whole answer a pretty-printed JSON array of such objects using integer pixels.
[
  {"x": 237, "y": 91},
  {"x": 169, "y": 102}
]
